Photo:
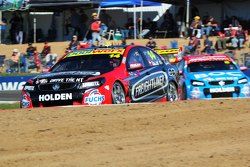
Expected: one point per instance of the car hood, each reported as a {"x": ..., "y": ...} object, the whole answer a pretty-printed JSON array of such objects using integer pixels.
[{"x": 216, "y": 75}]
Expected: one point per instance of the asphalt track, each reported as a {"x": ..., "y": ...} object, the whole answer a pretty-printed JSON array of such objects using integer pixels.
[{"x": 10, "y": 95}]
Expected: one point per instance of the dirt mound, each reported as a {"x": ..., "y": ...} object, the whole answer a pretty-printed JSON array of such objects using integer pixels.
[{"x": 187, "y": 133}]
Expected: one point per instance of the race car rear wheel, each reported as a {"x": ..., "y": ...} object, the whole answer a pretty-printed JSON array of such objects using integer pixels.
[
  {"x": 118, "y": 94},
  {"x": 172, "y": 93}
]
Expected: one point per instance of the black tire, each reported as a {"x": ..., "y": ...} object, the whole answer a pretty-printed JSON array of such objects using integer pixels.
[
  {"x": 172, "y": 92},
  {"x": 118, "y": 94}
]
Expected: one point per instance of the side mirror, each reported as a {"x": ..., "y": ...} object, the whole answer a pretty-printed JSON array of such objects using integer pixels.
[
  {"x": 135, "y": 66},
  {"x": 243, "y": 68}
]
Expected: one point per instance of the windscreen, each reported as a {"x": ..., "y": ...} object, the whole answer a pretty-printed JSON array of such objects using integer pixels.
[
  {"x": 211, "y": 66},
  {"x": 102, "y": 63}
]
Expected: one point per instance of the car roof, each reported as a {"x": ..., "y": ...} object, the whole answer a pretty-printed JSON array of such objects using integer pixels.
[{"x": 205, "y": 57}]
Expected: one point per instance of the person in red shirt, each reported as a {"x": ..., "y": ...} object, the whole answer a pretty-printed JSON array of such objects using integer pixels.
[
  {"x": 95, "y": 29},
  {"x": 46, "y": 50}
]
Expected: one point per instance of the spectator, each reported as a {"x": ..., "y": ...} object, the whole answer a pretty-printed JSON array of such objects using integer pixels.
[
  {"x": 240, "y": 35},
  {"x": 14, "y": 61},
  {"x": 30, "y": 50},
  {"x": 32, "y": 58},
  {"x": 233, "y": 38},
  {"x": 221, "y": 42},
  {"x": 16, "y": 30},
  {"x": 195, "y": 27},
  {"x": 73, "y": 43},
  {"x": 103, "y": 30},
  {"x": 46, "y": 50},
  {"x": 208, "y": 46},
  {"x": 48, "y": 59},
  {"x": 193, "y": 45},
  {"x": 124, "y": 42},
  {"x": 96, "y": 28},
  {"x": 209, "y": 25},
  {"x": 151, "y": 43},
  {"x": 3, "y": 26},
  {"x": 17, "y": 63},
  {"x": 127, "y": 30}
]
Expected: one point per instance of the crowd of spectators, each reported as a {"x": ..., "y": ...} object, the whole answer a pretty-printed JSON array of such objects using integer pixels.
[
  {"x": 31, "y": 60},
  {"x": 232, "y": 36}
]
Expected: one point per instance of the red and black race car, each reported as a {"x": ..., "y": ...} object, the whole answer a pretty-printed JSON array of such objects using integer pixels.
[{"x": 104, "y": 76}]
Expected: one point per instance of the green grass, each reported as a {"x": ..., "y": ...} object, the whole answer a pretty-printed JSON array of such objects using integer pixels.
[{"x": 9, "y": 106}]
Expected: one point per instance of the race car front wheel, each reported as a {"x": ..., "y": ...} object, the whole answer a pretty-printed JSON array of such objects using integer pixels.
[
  {"x": 118, "y": 94},
  {"x": 172, "y": 93}
]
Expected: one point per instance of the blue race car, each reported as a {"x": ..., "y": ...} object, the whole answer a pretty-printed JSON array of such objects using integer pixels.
[{"x": 212, "y": 76}]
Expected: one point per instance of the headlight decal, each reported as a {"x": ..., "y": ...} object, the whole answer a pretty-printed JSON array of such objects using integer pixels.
[
  {"x": 197, "y": 83},
  {"x": 242, "y": 81},
  {"x": 29, "y": 88}
]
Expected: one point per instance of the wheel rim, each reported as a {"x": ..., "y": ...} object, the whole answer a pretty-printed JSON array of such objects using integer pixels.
[
  {"x": 172, "y": 92},
  {"x": 118, "y": 94}
]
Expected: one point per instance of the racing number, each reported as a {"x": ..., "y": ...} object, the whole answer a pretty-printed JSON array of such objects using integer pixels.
[
  {"x": 152, "y": 55},
  {"x": 115, "y": 56}
]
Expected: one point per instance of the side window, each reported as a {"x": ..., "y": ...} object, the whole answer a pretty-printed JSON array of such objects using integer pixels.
[
  {"x": 152, "y": 58},
  {"x": 135, "y": 58}
]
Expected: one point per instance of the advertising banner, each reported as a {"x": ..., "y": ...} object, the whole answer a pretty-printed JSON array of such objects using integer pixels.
[{"x": 8, "y": 83}]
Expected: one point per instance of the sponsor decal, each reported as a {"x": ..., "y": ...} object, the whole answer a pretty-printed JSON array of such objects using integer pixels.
[
  {"x": 209, "y": 58},
  {"x": 57, "y": 80},
  {"x": 11, "y": 85},
  {"x": 115, "y": 56},
  {"x": 171, "y": 72},
  {"x": 123, "y": 60},
  {"x": 149, "y": 85},
  {"x": 82, "y": 73},
  {"x": 98, "y": 51},
  {"x": 55, "y": 97},
  {"x": 221, "y": 90},
  {"x": 25, "y": 103},
  {"x": 222, "y": 83},
  {"x": 56, "y": 87},
  {"x": 94, "y": 98},
  {"x": 232, "y": 75},
  {"x": 61, "y": 80},
  {"x": 167, "y": 51},
  {"x": 107, "y": 87}
]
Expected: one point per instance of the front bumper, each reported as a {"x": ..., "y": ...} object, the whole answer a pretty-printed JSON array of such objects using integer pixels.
[
  {"x": 81, "y": 97},
  {"x": 232, "y": 91}
]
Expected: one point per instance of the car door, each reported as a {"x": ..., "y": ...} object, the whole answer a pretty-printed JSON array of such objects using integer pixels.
[
  {"x": 157, "y": 71},
  {"x": 138, "y": 76}
]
